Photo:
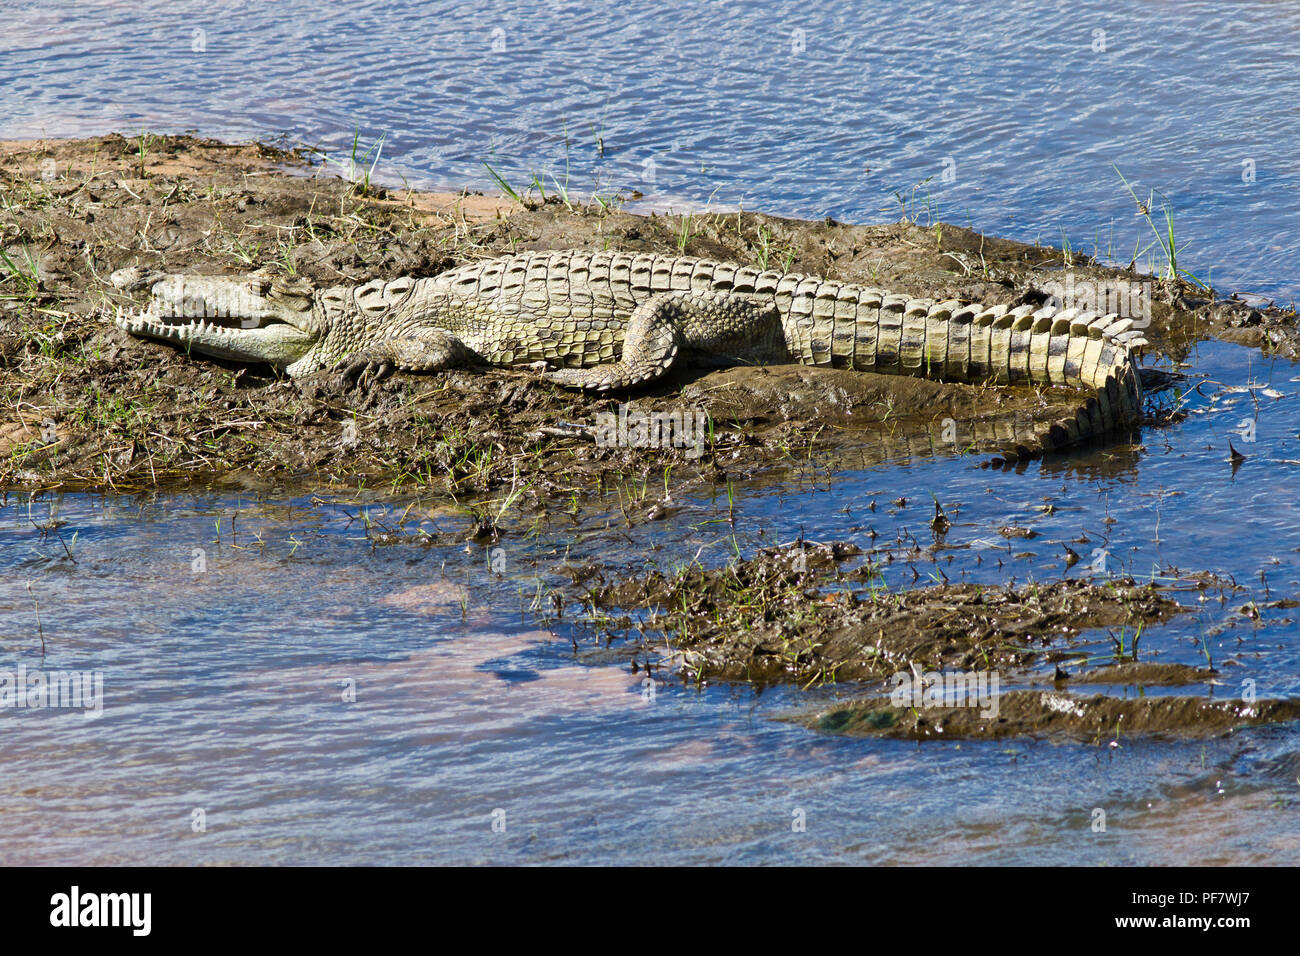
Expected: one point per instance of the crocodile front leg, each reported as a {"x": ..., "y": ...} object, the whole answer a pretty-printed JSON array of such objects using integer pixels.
[
  {"x": 724, "y": 328},
  {"x": 419, "y": 350}
]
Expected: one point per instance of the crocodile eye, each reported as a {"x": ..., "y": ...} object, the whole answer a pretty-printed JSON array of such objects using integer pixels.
[
  {"x": 258, "y": 285},
  {"x": 291, "y": 288}
]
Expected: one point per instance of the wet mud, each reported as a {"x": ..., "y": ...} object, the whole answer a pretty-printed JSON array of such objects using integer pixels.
[
  {"x": 815, "y": 613},
  {"x": 818, "y": 614}
]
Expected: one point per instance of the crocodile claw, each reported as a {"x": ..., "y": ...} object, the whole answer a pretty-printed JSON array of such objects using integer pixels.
[
  {"x": 600, "y": 379},
  {"x": 568, "y": 377},
  {"x": 364, "y": 371}
]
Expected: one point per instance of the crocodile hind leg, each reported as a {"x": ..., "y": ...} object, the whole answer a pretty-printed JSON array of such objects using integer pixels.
[
  {"x": 420, "y": 350},
  {"x": 726, "y": 328}
]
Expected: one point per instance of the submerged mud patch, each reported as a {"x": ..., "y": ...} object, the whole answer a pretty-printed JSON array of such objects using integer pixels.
[
  {"x": 1022, "y": 713},
  {"x": 1146, "y": 673}
]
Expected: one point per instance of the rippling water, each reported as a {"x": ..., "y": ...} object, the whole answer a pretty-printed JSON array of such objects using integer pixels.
[
  {"x": 278, "y": 689},
  {"x": 1011, "y": 114}
]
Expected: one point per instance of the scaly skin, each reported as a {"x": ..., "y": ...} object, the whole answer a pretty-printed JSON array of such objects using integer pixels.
[{"x": 619, "y": 320}]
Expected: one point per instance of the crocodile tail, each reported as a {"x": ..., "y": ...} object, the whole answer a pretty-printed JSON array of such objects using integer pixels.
[
  {"x": 876, "y": 331},
  {"x": 1076, "y": 349}
]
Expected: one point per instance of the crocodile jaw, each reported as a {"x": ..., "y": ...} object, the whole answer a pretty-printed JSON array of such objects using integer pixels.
[
  {"x": 228, "y": 319},
  {"x": 275, "y": 344}
]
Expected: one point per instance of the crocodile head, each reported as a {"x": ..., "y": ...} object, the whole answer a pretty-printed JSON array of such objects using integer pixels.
[{"x": 247, "y": 319}]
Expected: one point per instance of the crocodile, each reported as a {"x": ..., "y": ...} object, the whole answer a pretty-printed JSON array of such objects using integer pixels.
[{"x": 602, "y": 321}]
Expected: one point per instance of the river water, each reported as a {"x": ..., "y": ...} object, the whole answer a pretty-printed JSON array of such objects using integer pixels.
[{"x": 278, "y": 688}]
